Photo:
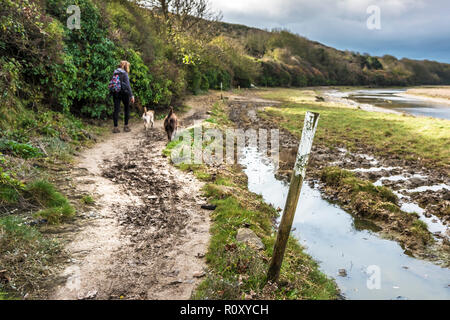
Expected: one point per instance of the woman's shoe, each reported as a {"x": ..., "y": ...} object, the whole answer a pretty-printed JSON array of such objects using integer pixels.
[
  {"x": 126, "y": 129},
  {"x": 116, "y": 130}
]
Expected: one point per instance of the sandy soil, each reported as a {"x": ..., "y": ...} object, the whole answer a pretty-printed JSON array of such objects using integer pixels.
[
  {"x": 147, "y": 235},
  {"x": 437, "y": 95}
]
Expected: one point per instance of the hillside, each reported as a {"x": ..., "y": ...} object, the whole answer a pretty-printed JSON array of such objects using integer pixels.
[{"x": 287, "y": 59}]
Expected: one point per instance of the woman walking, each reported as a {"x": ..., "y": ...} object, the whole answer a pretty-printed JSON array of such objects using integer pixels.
[{"x": 125, "y": 95}]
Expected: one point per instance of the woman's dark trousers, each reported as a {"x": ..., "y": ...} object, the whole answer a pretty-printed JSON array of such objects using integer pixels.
[{"x": 125, "y": 98}]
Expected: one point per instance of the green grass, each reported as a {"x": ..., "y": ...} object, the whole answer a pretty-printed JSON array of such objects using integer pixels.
[
  {"x": 30, "y": 141},
  {"x": 334, "y": 176},
  {"x": 88, "y": 200},
  {"x": 420, "y": 229},
  {"x": 412, "y": 138}
]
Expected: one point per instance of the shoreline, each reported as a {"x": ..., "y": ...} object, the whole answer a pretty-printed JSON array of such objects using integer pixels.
[
  {"x": 424, "y": 98},
  {"x": 329, "y": 97}
]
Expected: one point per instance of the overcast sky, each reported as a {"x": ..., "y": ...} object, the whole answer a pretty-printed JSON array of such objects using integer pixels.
[{"x": 418, "y": 29}]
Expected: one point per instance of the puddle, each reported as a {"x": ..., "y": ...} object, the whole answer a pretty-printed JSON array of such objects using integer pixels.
[
  {"x": 434, "y": 223},
  {"x": 337, "y": 241},
  {"x": 397, "y": 178},
  {"x": 375, "y": 169},
  {"x": 438, "y": 187}
]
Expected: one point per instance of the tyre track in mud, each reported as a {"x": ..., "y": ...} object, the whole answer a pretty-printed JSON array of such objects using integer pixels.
[{"x": 147, "y": 236}]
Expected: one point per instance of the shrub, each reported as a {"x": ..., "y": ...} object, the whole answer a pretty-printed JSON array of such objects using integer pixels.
[
  {"x": 10, "y": 187},
  {"x": 22, "y": 150},
  {"x": 88, "y": 200}
]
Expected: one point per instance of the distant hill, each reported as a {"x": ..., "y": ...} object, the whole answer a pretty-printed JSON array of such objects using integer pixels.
[{"x": 292, "y": 60}]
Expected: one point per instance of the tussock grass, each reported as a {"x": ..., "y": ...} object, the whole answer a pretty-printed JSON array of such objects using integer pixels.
[
  {"x": 57, "y": 207},
  {"x": 334, "y": 176},
  {"x": 88, "y": 200},
  {"x": 8, "y": 194},
  {"x": 420, "y": 229}
]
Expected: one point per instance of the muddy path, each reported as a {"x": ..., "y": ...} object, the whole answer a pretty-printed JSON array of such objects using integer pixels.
[
  {"x": 146, "y": 235},
  {"x": 419, "y": 189}
]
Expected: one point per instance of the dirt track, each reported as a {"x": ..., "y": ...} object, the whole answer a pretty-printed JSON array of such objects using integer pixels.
[{"x": 147, "y": 235}]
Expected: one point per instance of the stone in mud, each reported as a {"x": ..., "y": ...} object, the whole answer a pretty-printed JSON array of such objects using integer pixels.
[
  {"x": 446, "y": 195},
  {"x": 416, "y": 182},
  {"x": 248, "y": 237},
  {"x": 199, "y": 274},
  {"x": 88, "y": 296},
  {"x": 375, "y": 175}
]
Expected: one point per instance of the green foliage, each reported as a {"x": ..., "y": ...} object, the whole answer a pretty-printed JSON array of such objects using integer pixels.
[
  {"x": 22, "y": 150},
  {"x": 10, "y": 83},
  {"x": 90, "y": 58},
  {"x": 333, "y": 176},
  {"x": 10, "y": 187}
]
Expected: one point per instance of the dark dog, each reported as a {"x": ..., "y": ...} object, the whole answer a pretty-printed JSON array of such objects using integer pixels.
[{"x": 171, "y": 124}]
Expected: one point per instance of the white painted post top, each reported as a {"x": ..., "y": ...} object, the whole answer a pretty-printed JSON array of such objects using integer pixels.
[{"x": 304, "y": 150}]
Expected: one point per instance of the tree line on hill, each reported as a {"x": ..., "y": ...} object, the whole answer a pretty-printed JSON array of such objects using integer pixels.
[{"x": 175, "y": 47}]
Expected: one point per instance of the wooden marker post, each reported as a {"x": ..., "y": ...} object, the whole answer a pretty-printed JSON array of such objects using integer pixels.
[{"x": 309, "y": 130}]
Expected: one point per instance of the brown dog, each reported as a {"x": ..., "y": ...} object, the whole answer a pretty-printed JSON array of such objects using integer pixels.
[{"x": 171, "y": 124}]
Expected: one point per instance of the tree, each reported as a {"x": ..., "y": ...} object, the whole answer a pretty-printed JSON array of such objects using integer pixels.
[{"x": 183, "y": 15}]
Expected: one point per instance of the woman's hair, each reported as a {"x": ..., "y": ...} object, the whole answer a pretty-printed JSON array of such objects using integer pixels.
[{"x": 125, "y": 65}]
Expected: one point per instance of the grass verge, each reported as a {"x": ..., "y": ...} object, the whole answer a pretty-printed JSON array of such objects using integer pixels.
[{"x": 237, "y": 271}]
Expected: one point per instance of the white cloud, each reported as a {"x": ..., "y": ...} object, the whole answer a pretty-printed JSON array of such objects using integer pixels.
[{"x": 415, "y": 28}]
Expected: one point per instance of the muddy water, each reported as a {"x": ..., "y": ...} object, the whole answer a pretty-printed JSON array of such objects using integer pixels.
[
  {"x": 337, "y": 241},
  {"x": 391, "y": 99}
]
